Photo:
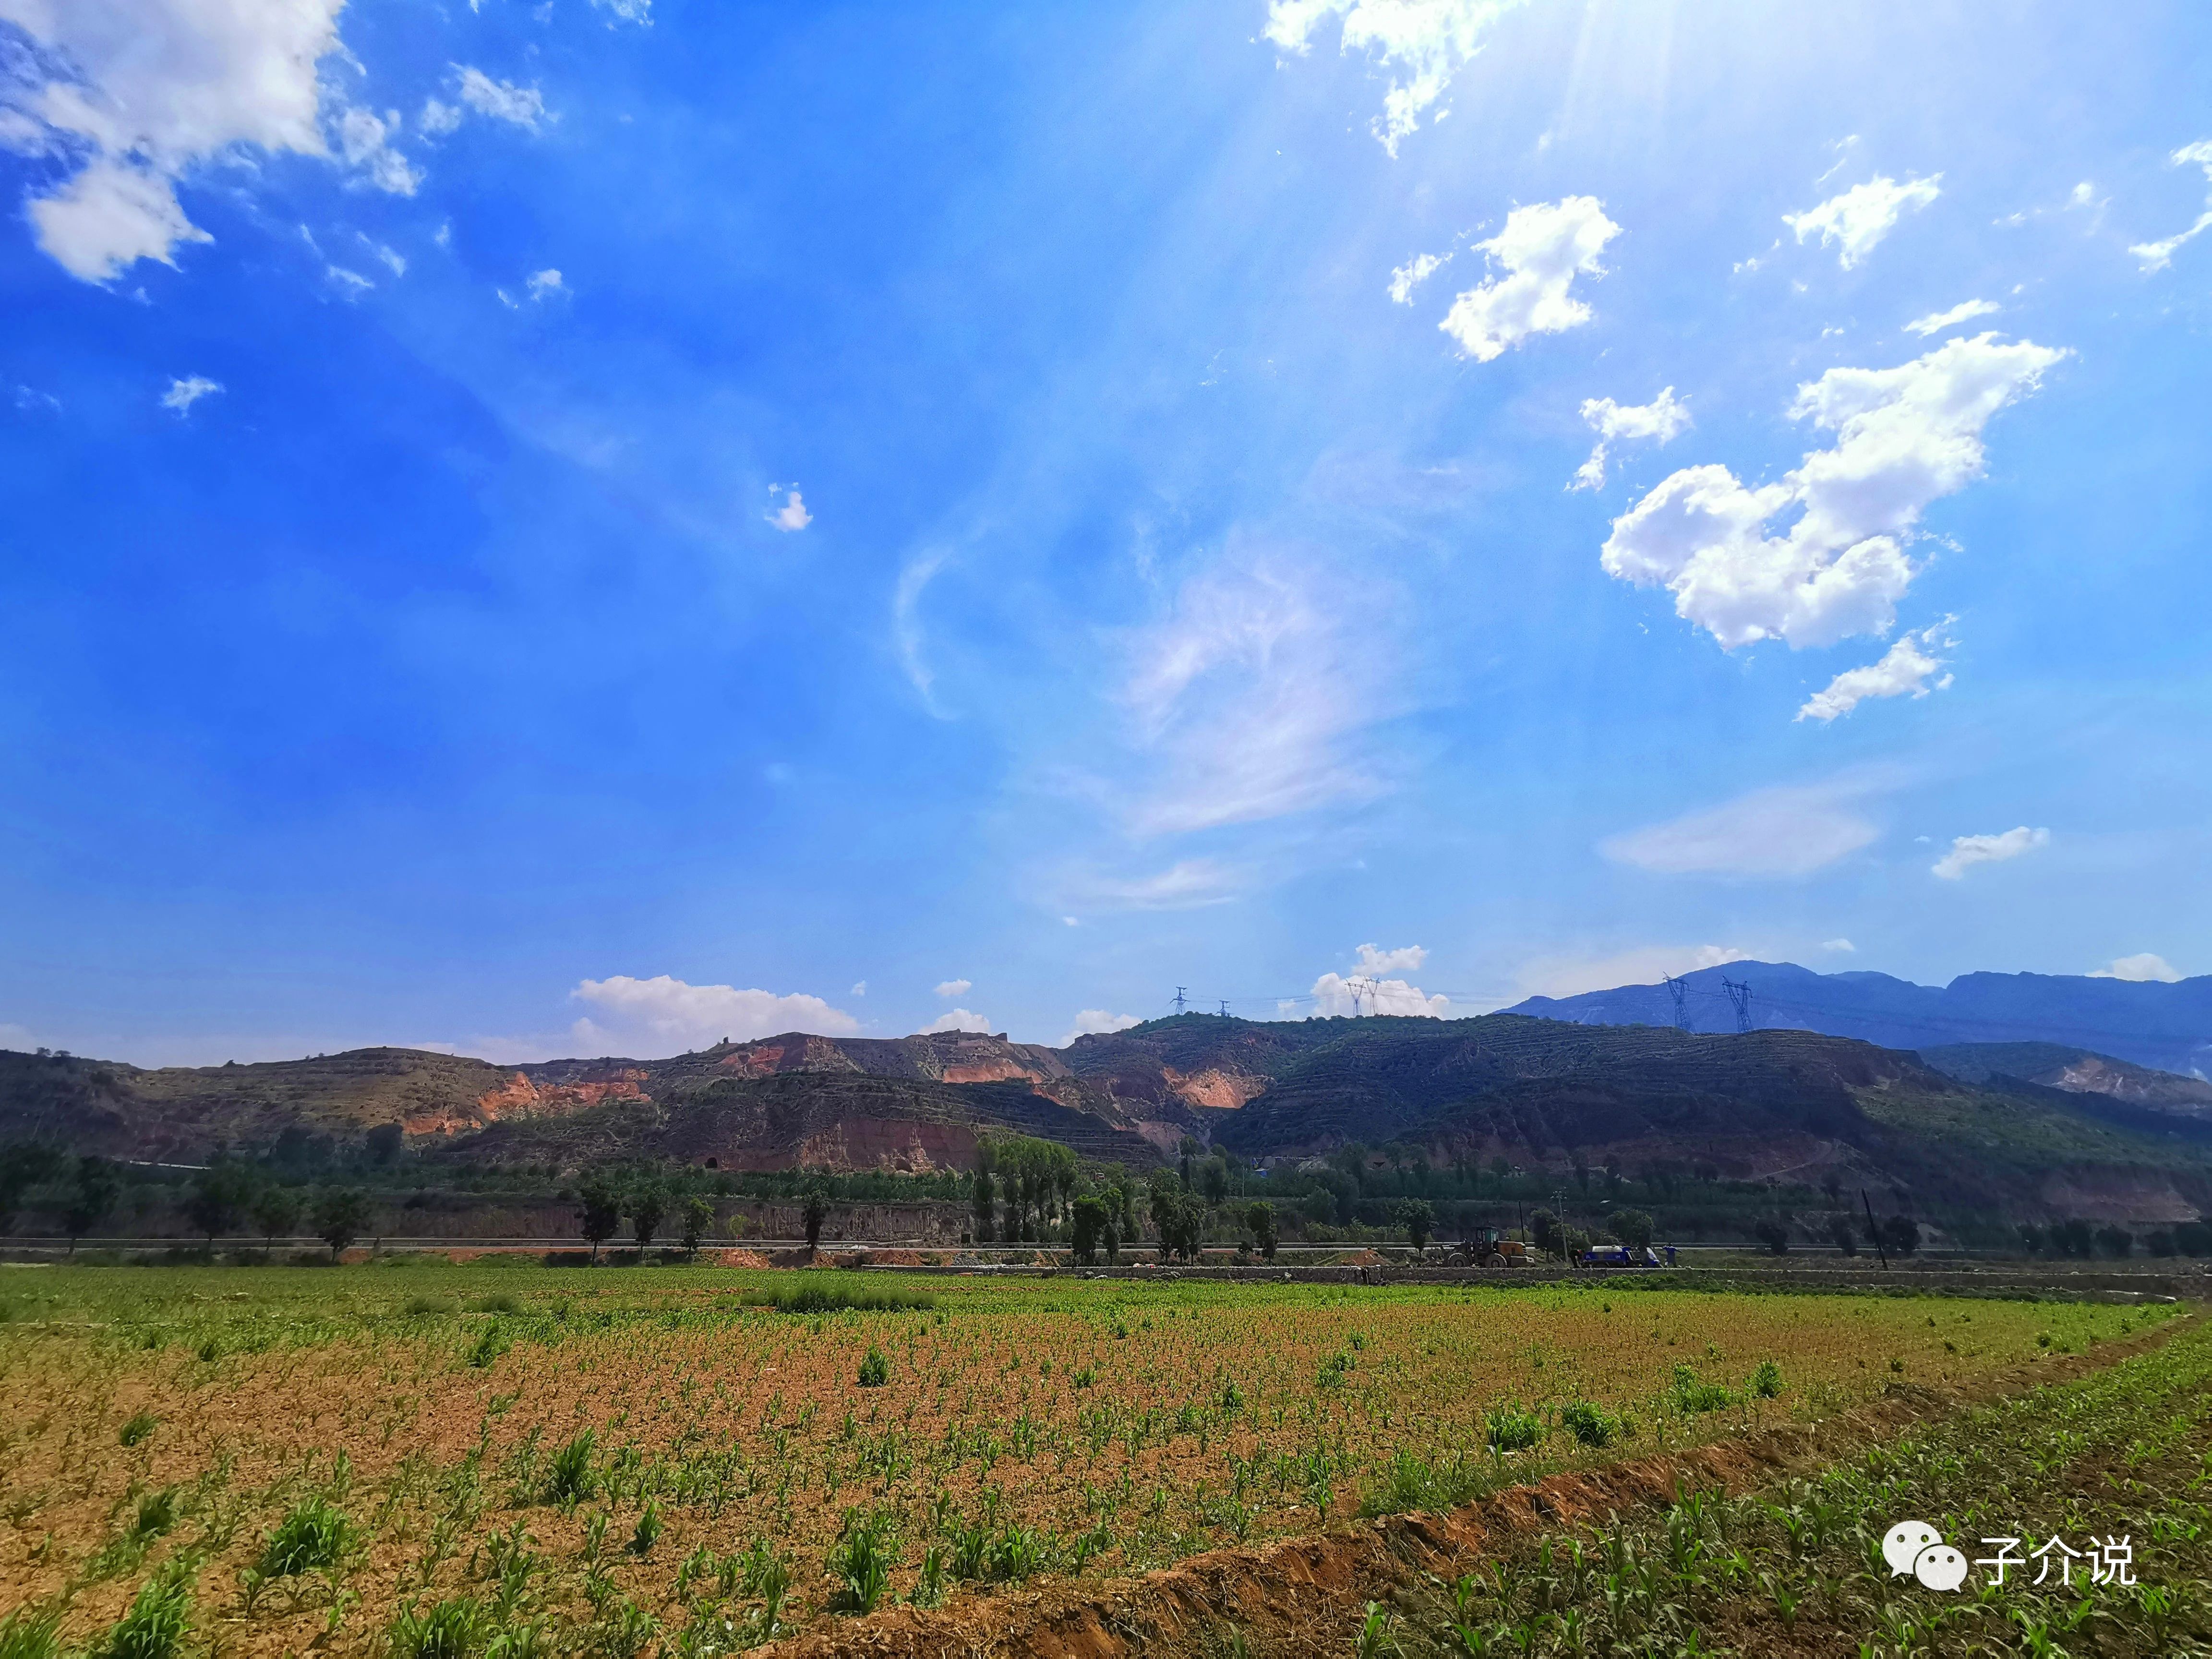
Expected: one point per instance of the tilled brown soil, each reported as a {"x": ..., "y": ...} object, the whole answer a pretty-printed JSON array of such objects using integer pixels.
[{"x": 1306, "y": 1596}]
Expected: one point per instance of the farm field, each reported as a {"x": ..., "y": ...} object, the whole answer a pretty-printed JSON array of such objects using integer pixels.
[{"x": 430, "y": 1460}]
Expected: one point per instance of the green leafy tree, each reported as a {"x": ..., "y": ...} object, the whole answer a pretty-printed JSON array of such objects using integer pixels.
[
  {"x": 92, "y": 1197},
  {"x": 1178, "y": 1216},
  {"x": 1260, "y": 1216},
  {"x": 1631, "y": 1227},
  {"x": 384, "y": 1143},
  {"x": 816, "y": 1212},
  {"x": 647, "y": 1203},
  {"x": 1772, "y": 1234},
  {"x": 697, "y": 1219},
  {"x": 1214, "y": 1179},
  {"x": 1544, "y": 1229},
  {"x": 25, "y": 1165},
  {"x": 218, "y": 1201},
  {"x": 340, "y": 1214},
  {"x": 1092, "y": 1219},
  {"x": 983, "y": 1195},
  {"x": 1418, "y": 1219},
  {"x": 1845, "y": 1235},
  {"x": 1900, "y": 1235},
  {"x": 275, "y": 1211},
  {"x": 598, "y": 1209}
]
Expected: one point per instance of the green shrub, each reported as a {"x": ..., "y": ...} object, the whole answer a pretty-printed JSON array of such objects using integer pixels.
[
  {"x": 499, "y": 1301},
  {"x": 1593, "y": 1426},
  {"x": 157, "y": 1622},
  {"x": 313, "y": 1537},
  {"x": 138, "y": 1428},
  {"x": 1692, "y": 1396},
  {"x": 1512, "y": 1428},
  {"x": 826, "y": 1295},
  {"x": 1766, "y": 1381},
  {"x": 420, "y": 1305},
  {"x": 875, "y": 1370}
]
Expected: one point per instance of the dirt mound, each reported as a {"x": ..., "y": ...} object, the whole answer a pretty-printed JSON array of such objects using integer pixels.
[{"x": 742, "y": 1259}]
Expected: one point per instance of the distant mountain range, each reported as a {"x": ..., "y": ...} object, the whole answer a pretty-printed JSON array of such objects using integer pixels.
[
  {"x": 2166, "y": 1026},
  {"x": 2017, "y": 1130}
]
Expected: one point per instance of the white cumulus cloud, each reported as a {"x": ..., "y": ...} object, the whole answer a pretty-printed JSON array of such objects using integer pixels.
[
  {"x": 955, "y": 988},
  {"x": 1905, "y": 671},
  {"x": 544, "y": 284},
  {"x": 955, "y": 1019},
  {"x": 1967, "y": 851},
  {"x": 1407, "y": 959},
  {"x": 1098, "y": 1021},
  {"x": 859, "y": 987},
  {"x": 792, "y": 514},
  {"x": 1965, "y": 312},
  {"x": 2157, "y": 256},
  {"x": 1780, "y": 832},
  {"x": 668, "y": 1012},
  {"x": 1857, "y": 220},
  {"x": 1405, "y": 278},
  {"x": 1665, "y": 419},
  {"x": 184, "y": 393},
  {"x": 1843, "y": 944},
  {"x": 137, "y": 92},
  {"x": 1424, "y": 42},
  {"x": 2143, "y": 967},
  {"x": 1904, "y": 437},
  {"x": 1542, "y": 248},
  {"x": 1334, "y": 995}
]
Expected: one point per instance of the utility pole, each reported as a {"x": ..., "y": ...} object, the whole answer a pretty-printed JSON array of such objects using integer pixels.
[
  {"x": 1180, "y": 1000},
  {"x": 1741, "y": 996},
  {"x": 1679, "y": 991},
  {"x": 1875, "y": 1230}
]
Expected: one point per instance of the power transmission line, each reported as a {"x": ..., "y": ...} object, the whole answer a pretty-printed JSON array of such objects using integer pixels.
[
  {"x": 1740, "y": 995},
  {"x": 1680, "y": 990},
  {"x": 1181, "y": 1002}
]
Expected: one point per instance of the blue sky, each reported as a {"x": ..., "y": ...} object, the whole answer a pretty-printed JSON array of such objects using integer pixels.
[{"x": 596, "y": 527}]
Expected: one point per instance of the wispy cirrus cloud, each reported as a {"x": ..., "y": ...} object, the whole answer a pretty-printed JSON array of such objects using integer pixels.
[
  {"x": 1252, "y": 697},
  {"x": 2157, "y": 256},
  {"x": 1422, "y": 42},
  {"x": 1779, "y": 833}
]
